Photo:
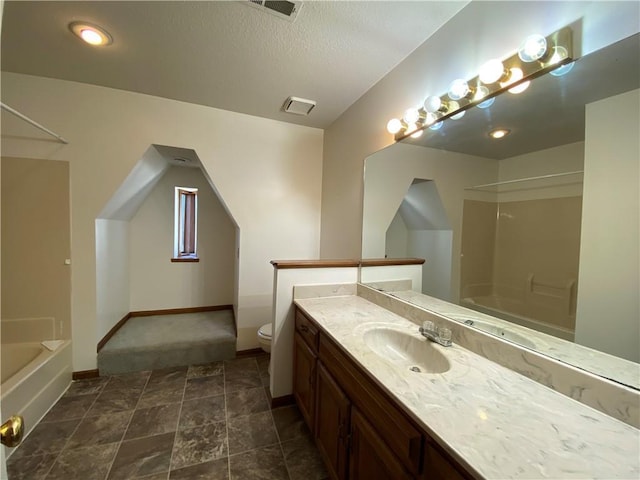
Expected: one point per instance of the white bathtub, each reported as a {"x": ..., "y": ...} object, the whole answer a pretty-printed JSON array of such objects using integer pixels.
[
  {"x": 509, "y": 309},
  {"x": 33, "y": 378}
]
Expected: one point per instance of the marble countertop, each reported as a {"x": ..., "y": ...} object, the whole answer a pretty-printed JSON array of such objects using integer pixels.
[
  {"x": 599, "y": 363},
  {"x": 496, "y": 422}
]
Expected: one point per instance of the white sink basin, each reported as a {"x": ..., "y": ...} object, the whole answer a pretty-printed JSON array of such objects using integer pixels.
[{"x": 406, "y": 350}]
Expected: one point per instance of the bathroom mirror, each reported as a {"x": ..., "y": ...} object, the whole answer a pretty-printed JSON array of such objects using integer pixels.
[{"x": 478, "y": 209}]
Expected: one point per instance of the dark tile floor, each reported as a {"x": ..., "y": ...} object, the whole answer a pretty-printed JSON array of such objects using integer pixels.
[{"x": 202, "y": 422}]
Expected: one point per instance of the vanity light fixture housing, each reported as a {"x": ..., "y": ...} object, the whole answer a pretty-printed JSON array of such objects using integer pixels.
[
  {"x": 91, "y": 34},
  {"x": 536, "y": 56}
]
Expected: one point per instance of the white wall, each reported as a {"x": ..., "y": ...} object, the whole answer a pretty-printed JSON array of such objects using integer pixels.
[
  {"x": 390, "y": 273},
  {"x": 156, "y": 282},
  {"x": 435, "y": 247},
  {"x": 432, "y": 245},
  {"x": 482, "y": 30},
  {"x": 112, "y": 274},
  {"x": 389, "y": 174},
  {"x": 396, "y": 238},
  {"x": 562, "y": 159},
  {"x": 283, "y": 318},
  {"x": 608, "y": 302},
  {"x": 267, "y": 172}
]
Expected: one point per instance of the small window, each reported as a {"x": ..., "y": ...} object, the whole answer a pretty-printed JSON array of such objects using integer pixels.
[{"x": 186, "y": 224}]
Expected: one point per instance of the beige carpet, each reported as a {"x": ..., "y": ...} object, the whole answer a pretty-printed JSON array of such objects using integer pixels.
[{"x": 148, "y": 343}]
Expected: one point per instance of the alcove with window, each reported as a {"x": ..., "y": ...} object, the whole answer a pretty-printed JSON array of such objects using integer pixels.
[{"x": 164, "y": 242}]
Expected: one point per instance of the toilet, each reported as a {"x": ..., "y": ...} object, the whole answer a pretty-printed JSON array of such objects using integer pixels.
[{"x": 264, "y": 337}]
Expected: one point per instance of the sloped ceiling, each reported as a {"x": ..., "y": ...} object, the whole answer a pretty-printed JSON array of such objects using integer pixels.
[
  {"x": 422, "y": 209},
  {"x": 132, "y": 193}
]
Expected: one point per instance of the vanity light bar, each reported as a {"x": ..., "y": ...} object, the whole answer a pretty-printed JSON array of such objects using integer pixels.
[{"x": 536, "y": 56}]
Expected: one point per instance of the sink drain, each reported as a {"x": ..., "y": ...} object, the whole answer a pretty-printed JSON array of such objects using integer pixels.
[{"x": 415, "y": 369}]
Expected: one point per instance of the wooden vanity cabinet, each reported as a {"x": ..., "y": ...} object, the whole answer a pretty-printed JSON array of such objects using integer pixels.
[
  {"x": 369, "y": 456},
  {"x": 304, "y": 379},
  {"x": 401, "y": 438},
  {"x": 332, "y": 424},
  {"x": 304, "y": 368},
  {"x": 437, "y": 466},
  {"x": 360, "y": 431}
]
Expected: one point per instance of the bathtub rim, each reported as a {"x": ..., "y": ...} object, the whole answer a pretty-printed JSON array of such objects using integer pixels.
[
  {"x": 519, "y": 320},
  {"x": 18, "y": 378}
]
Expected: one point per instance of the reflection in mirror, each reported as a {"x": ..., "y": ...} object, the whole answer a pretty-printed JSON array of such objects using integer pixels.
[
  {"x": 520, "y": 249},
  {"x": 505, "y": 227},
  {"x": 421, "y": 229}
]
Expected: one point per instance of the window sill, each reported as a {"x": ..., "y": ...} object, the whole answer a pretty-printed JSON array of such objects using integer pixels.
[{"x": 184, "y": 259}]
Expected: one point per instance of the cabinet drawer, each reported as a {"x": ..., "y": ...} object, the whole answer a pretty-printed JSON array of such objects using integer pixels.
[
  {"x": 399, "y": 433},
  {"x": 307, "y": 330}
]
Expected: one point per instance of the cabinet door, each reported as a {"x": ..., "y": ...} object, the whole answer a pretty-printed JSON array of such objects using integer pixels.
[
  {"x": 304, "y": 379},
  {"x": 332, "y": 423},
  {"x": 370, "y": 458},
  {"x": 437, "y": 467},
  {"x": 400, "y": 435}
]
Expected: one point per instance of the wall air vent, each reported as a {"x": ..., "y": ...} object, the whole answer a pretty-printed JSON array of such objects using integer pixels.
[
  {"x": 283, "y": 9},
  {"x": 298, "y": 106}
]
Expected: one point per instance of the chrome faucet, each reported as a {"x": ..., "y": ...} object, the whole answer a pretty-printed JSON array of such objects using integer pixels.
[{"x": 440, "y": 335}]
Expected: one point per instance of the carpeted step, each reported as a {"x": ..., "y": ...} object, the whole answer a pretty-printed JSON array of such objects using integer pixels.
[{"x": 161, "y": 341}]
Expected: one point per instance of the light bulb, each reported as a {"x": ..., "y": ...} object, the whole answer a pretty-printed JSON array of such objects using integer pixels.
[
  {"x": 411, "y": 115},
  {"x": 92, "y": 34},
  {"x": 436, "y": 126},
  {"x": 515, "y": 74},
  {"x": 487, "y": 103},
  {"x": 430, "y": 119},
  {"x": 433, "y": 104},
  {"x": 533, "y": 48},
  {"x": 499, "y": 133},
  {"x": 453, "y": 106},
  {"x": 480, "y": 93},
  {"x": 394, "y": 126},
  {"x": 458, "y": 89},
  {"x": 559, "y": 54},
  {"x": 491, "y": 71},
  {"x": 563, "y": 70},
  {"x": 413, "y": 130},
  {"x": 520, "y": 88}
]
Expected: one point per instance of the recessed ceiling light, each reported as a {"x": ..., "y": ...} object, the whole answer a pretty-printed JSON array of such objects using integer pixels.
[
  {"x": 92, "y": 34},
  {"x": 499, "y": 133}
]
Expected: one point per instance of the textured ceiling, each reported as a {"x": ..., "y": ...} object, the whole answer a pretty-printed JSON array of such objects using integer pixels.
[{"x": 225, "y": 54}]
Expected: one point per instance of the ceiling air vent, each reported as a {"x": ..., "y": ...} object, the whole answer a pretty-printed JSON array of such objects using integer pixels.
[
  {"x": 283, "y": 9},
  {"x": 298, "y": 106}
]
